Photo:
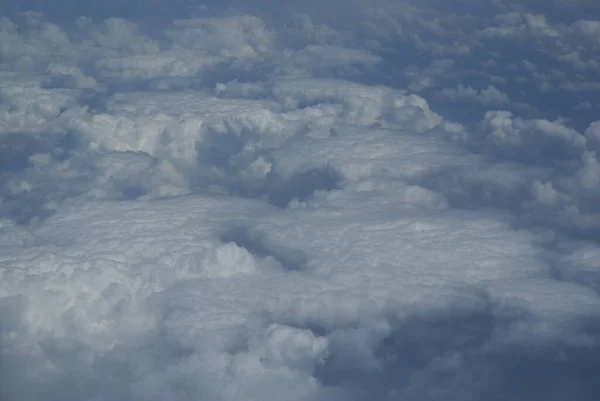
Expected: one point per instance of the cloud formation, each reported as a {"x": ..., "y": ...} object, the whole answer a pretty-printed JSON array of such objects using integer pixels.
[{"x": 299, "y": 201}]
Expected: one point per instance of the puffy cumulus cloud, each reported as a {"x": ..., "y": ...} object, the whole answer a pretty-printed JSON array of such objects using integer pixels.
[
  {"x": 118, "y": 35},
  {"x": 592, "y": 134},
  {"x": 518, "y": 25},
  {"x": 240, "y": 311},
  {"x": 244, "y": 36},
  {"x": 300, "y": 201},
  {"x": 470, "y": 46},
  {"x": 44, "y": 41},
  {"x": 47, "y": 173},
  {"x": 544, "y": 171},
  {"x": 29, "y": 107},
  {"x": 541, "y": 139},
  {"x": 570, "y": 200},
  {"x": 68, "y": 76},
  {"x": 327, "y": 60},
  {"x": 489, "y": 95}
]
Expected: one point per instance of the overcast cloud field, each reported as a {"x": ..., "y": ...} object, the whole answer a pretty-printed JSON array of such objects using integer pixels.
[{"x": 300, "y": 200}]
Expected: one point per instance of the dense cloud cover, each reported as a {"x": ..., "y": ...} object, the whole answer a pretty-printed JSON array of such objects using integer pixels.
[{"x": 300, "y": 200}]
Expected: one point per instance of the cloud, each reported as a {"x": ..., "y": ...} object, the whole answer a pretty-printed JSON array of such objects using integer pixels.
[
  {"x": 544, "y": 139},
  {"x": 593, "y": 134},
  {"x": 300, "y": 201},
  {"x": 27, "y": 106},
  {"x": 520, "y": 26},
  {"x": 489, "y": 95}
]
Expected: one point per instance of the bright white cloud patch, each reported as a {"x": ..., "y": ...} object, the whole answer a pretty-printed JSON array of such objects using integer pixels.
[{"x": 300, "y": 201}]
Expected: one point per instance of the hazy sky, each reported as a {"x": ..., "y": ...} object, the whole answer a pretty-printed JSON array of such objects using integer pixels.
[{"x": 300, "y": 200}]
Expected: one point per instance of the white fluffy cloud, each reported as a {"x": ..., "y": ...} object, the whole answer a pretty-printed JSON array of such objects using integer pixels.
[
  {"x": 300, "y": 201},
  {"x": 541, "y": 138},
  {"x": 489, "y": 95}
]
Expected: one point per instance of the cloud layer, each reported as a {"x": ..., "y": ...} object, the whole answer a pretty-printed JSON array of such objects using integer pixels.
[{"x": 299, "y": 201}]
